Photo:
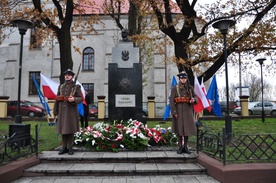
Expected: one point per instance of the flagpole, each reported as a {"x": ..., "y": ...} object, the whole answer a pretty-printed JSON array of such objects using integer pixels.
[{"x": 47, "y": 117}]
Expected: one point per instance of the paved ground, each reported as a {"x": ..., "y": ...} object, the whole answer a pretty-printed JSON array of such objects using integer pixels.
[{"x": 124, "y": 179}]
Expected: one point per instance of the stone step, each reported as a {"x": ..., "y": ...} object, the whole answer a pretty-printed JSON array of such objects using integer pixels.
[
  {"x": 114, "y": 169},
  {"x": 120, "y": 157},
  {"x": 116, "y": 164},
  {"x": 121, "y": 179}
]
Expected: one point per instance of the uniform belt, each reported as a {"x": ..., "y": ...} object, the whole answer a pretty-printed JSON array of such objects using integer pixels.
[
  {"x": 62, "y": 98},
  {"x": 182, "y": 99}
]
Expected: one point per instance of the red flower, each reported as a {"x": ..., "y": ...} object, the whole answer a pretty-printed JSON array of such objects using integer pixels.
[{"x": 113, "y": 146}]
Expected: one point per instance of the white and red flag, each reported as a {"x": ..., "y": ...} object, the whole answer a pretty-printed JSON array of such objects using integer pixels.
[
  {"x": 83, "y": 93},
  {"x": 205, "y": 92},
  {"x": 202, "y": 100},
  {"x": 50, "y": 88}
]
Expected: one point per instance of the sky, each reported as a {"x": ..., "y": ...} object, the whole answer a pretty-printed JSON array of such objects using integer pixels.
[
  {"x": 234, "y": 75},
  {"x": 252, "y": 67}
]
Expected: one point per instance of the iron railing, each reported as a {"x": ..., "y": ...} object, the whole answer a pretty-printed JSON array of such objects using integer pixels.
[
  {"x": 18, "y": 145},
  {"x": 244, "y": 148}
]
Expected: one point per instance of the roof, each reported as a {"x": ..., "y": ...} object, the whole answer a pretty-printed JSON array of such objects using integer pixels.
[
  {"x": 98, "y": 7},
  {"x": 95, "y": 7}
]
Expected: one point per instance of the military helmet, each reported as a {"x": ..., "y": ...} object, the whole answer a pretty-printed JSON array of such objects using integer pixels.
[
  {"x": 182, "y": 74},
  {"x": 69, "y": 72}
]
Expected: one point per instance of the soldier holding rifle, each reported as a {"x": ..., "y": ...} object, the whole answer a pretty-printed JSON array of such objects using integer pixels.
[
  {"x": 69, "y": 95},
  {"x": 182, "y": 99}
]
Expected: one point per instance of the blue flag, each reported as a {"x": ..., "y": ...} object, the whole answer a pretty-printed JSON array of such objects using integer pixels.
[
  {"x": 41, "y": 97},
  {"x": 81, "y": 109},
  {"x": 168, "y": 109},
  {"x": 213, "y": 95}
]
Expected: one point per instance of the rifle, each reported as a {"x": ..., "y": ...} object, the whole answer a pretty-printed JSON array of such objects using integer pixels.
[
  {"x": 75, "y": 81},
  {"x": 196, "y": 116},
  {"x": 76, "y": 76},
  {"x": 188, "y": 85}
]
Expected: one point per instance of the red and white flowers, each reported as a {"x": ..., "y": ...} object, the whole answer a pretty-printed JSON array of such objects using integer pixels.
[{"x": 130, "y": 134}]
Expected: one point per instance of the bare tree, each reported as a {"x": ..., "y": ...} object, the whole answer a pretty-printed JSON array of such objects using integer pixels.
[
  {"x": 255, "y": 87},
  {"x": 190, "y": 37},
  {"x": 187, "y": 24},
  {"x": 232, "y": 96},
  {"x": 194, "y": 45},
  {"x": 232, "y": 93}
]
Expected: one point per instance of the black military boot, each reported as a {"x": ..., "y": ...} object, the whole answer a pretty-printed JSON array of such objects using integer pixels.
[
  {"x": 179, "y": 151},
  {"x": 186, "y": 150},
  {"x": 70, "y": 151},
  {"x": 63, "y": 150}
]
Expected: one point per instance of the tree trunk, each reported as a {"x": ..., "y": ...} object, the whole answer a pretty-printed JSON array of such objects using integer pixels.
[
  {"x": 181, "y": 54},
  {"x": 66, "y": 62}
]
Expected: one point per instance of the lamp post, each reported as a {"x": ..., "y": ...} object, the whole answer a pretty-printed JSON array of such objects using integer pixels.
[
  {"x": 261, "y": 61},
  {"x": 223, "y": 26},
  {"x": 23, "y": 26}
]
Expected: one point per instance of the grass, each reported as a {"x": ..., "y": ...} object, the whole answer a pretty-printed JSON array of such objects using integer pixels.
[
  {"x": 48, "y": 139},
  {"x": 245, "y": 126}
]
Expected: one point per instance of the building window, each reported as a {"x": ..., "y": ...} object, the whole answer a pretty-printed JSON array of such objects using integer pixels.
[
  {"x": 35, "y": 36},
  {"x": 88, "y": 59},
  {"x": 32, "y": 88},
  {"x": 89, "y": 87}
]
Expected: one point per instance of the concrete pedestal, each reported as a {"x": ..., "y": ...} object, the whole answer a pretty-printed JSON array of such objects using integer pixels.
[
  {"x": 244, "y": 105},
  {"x": 101, "y": 107},
  {"x": 3, "y": 106},
  {"x": 151, "y": 107}
]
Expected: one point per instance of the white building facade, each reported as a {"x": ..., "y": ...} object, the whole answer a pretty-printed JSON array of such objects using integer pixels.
[{"x": 45, "y": 60}]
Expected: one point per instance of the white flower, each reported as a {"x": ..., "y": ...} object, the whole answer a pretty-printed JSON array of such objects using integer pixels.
[
  {"x": 142, "y": 136},
  {"x": 122, "y": 146},
  {"x": 76, "y": 141},
  {"x": 93, "y": 142}
]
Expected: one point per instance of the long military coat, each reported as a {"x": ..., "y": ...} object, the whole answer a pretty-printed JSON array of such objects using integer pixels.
[
  {"x": 184, "y": 125},
  {"x": 67, "y": 112}
]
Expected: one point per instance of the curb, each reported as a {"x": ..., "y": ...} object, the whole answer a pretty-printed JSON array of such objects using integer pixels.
[
  {"x": 233, "y": 173},
  {"x": 14, "y": 170}
]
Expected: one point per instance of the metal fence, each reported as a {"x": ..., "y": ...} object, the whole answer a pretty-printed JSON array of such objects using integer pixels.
[
  {"x": 18, "y": 145},
  {"x": 244, "y": 148}
]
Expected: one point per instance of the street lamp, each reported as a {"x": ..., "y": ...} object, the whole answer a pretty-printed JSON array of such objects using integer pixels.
[
  {"x": 223, "y": 26},
  {"x": 23, "y": 26},
  {"x": 261, "y": 61}
]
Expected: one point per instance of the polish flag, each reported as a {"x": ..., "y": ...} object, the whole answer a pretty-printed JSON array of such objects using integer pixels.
[
  {"x": 83, "y": 92},
  {"x": 205, "y": 93},
  {"x": 202, "y": 100},
  {"x": 50, "y": 88}
]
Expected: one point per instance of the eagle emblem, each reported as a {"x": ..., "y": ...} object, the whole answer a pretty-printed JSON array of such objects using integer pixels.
[{"x": 125, "y": 55}]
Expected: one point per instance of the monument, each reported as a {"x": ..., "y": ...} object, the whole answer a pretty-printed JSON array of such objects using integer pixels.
[{"x": 125, "y": 82}]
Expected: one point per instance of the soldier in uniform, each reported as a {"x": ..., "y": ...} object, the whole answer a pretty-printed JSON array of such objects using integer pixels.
[
  {"x": 69, "y": 95},
  {"x": 182, "y": 99}
]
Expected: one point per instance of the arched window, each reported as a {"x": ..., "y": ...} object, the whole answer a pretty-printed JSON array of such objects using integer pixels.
[{"x": 88, "y": 59}]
